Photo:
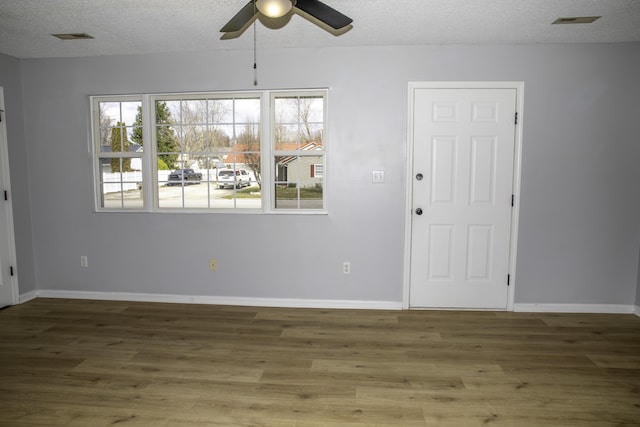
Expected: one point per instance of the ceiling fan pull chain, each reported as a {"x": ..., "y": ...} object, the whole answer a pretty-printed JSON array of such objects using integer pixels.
[{"x": 255, "y": 62}]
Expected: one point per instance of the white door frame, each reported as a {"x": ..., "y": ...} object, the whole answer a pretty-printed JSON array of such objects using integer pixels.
[
  {"x": 8, "y": 205},
  {"x": 517, "y": 166}
]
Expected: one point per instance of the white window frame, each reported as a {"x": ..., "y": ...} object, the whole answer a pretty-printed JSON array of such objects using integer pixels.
[
  {"x": 149, "y": 153},
  {"x": 153, "y": 143},
  {"x": 273, "y": 152},
  {"x": 97, "y": 154}
]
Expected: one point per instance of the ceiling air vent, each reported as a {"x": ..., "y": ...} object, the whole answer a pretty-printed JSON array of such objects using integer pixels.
[
  {"x": 576, "y": 20},
  {"x": 73, "y": 36}
]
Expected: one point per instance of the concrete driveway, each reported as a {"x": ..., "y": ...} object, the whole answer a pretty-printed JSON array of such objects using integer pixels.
[{"x": 205, "y": 195}]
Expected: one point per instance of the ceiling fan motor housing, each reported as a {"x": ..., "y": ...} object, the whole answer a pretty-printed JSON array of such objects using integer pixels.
[{"x": 314, "y": 8}]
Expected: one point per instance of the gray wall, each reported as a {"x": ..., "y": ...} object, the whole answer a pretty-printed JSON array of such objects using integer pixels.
[
  {"x": 580, "y": 208},
  {"x": 638, "y": 288},
  {"x": 11, "y": 81}
]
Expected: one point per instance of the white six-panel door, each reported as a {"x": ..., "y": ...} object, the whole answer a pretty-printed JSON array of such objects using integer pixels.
[
  {"x": 462, "y": 186},
  {"x": 8, "y": 278}
]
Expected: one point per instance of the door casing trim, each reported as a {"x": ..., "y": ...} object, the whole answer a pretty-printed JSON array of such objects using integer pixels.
[{"x": 517, "y": 167}]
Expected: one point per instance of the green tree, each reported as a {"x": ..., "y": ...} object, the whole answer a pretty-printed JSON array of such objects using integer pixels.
[
  {"x": 168, "y": 144},
  {"x": 120, "y": 144}
]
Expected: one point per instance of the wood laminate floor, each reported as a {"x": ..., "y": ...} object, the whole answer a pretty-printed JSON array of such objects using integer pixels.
[{"x": 103, "y": 363}]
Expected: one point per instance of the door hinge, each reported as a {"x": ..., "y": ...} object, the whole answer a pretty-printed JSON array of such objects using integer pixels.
[
  {"x": 508, "y": 279},
  {"x": 1, "y": 113},
  {"x": 513, "y": 200},
  {"x": 516, "y": 121},
  {"x": 11, "y": 270},
  {"x": 6, "y": 195}
]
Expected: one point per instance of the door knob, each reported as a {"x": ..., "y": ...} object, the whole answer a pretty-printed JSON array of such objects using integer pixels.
[
  {"x": 419, "y": 177},
  {"x": 419, "y": 211}
]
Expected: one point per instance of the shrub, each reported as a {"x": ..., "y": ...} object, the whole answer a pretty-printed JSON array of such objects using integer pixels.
[{"x": 162, "y": 166}]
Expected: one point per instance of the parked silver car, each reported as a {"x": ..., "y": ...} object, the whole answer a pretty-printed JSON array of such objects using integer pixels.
[{"x": 229, "y": 178}]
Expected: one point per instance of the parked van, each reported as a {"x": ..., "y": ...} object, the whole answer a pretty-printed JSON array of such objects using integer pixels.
[{"x": 228, "y": 178}]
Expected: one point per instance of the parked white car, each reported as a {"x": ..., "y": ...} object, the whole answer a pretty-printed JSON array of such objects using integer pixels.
[{"x": 233, "y": 179}]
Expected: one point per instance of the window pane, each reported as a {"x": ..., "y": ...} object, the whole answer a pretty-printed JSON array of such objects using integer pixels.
[
  {"x": 247, "y": 110},
  {"x": 220, "y": 111},
  {"x": 194, "y": 139},
  {"x": 120, "y": 186},
  {"x": 119, "y": 127},
  {"x": 247, "y": 151},
  {"x": 292, "y": 197},
  {"x": 312, "y": 134},
  {"x": 252, "y": 166},
  {"x": 113, "y": 112},
  {"x": 287, "y": 137},
  {"x": 178, "y": 193},
  {"x": 168, "y": 111},
  {"x": 298, "y": 121},
  {"x": 304, "y": 109},
  {"x": 286, "y": 110},
  {"x": 299, "y": 137},
  {"x": 236, "y": 188},
  {"x": 176, "y": 187},
  {"x": 300, "y": 170},
  {"x": 168, "y": 147},
  {"x": 305, "y": 170},
  {"x": 163, "y": 171},
  {"x": 119, "y": 139},
  {"x": 283, "y": 175},
  {"x": 194, "y": 111},
  {"x": 298, "y": 184},
  {"x": 221, "y": 136},
  {"x": 287, "y": 196},
  {"x": 311, "y": 109}
]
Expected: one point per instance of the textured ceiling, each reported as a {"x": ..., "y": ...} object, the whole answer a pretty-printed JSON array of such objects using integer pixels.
[{"x": 155, "y": 26}]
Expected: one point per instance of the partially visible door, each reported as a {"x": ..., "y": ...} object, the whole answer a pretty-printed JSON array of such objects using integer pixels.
[
  {"x": 463, "y": 162},
  {"x": 8, "y": 281}
]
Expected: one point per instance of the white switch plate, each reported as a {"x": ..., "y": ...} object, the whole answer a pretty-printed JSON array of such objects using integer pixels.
[
  {"x": 84, "y": 262},
  {"x": 378, "y": 177}
]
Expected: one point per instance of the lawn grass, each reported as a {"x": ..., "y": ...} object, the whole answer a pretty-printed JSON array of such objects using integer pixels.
[
  {"x": 292, "y": 193},
  {"x": 281, "y": 193},
  {"x": 252, "y": 192}
]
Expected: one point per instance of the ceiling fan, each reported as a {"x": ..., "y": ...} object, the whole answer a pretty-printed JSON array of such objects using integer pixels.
[{"x": 314, "y": 10}]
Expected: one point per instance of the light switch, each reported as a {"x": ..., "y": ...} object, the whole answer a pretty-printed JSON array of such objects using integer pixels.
[{"x": 378, "y": 177}]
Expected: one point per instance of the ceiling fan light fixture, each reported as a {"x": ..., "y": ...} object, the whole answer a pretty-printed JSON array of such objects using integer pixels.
[{"x": 274, "y": 8}]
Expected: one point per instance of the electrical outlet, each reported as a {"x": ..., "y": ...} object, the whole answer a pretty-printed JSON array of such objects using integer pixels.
[
  {"x": 346, "y": 267},
  {"x": 213, "y": 264},
  {"x": 84, "y": 262},
  {"x": 378, "y": 177}
]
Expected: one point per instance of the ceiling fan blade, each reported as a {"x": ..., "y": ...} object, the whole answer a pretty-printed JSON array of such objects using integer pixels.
[
  {"x": 324, "y": 13},
  {"x": 240, "y": 19},
  {"x": 235, "y": 34}
]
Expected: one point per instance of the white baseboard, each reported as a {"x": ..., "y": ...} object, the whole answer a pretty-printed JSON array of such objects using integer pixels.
[
  {"x": 576, "y": 308},
  {"x": 22, "y": 298},
  {"x": 308, "y": 303},
  {"x": 214, "y": 300}
]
